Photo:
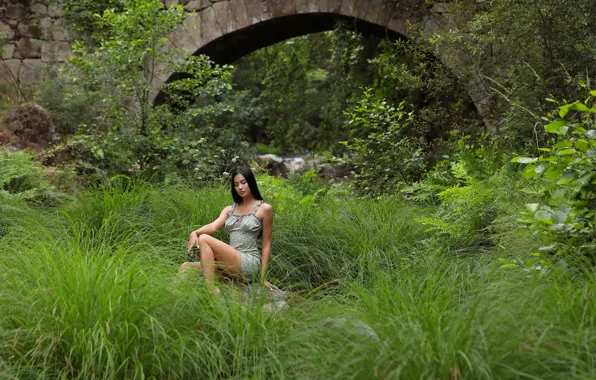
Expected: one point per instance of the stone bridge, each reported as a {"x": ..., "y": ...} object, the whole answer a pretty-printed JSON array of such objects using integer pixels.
[{"x": 225, "y": 30}]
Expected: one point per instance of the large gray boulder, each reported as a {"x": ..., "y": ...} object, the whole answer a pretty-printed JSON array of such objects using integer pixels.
[{"x": 274, "y": 165}]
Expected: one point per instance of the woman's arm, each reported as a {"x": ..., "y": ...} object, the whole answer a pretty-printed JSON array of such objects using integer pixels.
[
  {"x": 208, "y": 229},
  {"x": 267, "y": 232}
]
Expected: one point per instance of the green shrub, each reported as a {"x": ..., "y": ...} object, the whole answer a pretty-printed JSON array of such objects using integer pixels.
[
  {"x": 308, "y": 183},
  {"x": 567, "y": 217},
  {"x": 382, "y": 152},
  {"x": 22, "y": 178}
]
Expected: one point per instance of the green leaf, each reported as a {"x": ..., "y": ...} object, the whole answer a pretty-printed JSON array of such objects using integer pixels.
[
  {"x": 591, "y": 134},
  {"x": 558, "y": 127},
  {"x": 531, "y": 207},
  {"x": 563, "y": 144},
  {"x": 566, "y": 152},
  {"x": 582, "y": 145},
  {"x": 593, "y": 92},
  {"x": 577, "y": 106},
  {"x": 524, "y": 160},
  {"x": 554, "y": 172},
  {"x": 530, "y": 171},
  {"x": 563, "y": 111},
  {"x": 544, "y": 216},
  {"x": 567, "y": 177}
]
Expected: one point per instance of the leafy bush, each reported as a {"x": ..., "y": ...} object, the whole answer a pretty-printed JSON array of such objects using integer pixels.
[
  {"x": 130, "y": 133},
  {"x": 308, "y": 183},
  {"x": 22, "y": 178},
  {"x": 81, "y": 15},
  {"x": 567, "y": 217},
  {"x": 380, "y": 148}
]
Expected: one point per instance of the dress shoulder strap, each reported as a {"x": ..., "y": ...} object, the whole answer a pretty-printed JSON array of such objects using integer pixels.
[
  {"x": 254, "y": 210},
  {"x": 232, "y": 208}
]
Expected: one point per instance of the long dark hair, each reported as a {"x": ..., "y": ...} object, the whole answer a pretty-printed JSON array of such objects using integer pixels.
[{"x": 250, "y": 180}]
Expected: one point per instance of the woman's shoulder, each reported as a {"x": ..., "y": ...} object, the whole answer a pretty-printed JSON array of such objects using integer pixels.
[{"x": 266, "y": 207}]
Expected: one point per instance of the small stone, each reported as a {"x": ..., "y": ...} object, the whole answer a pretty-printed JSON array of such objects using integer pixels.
[
  {"x": 34, "y": 71},
  {"x": 32, "y": 30},
  {"x": 7, "y": 51},
  {"x": 440, "y": 8},
  {"x": 197, "y": 5},
  {"x": 6, "y": 32},
  {"x": 16, "y": 11},
  {"x": 210, "y": 30},
  {"x": 28, "y": 48},
  {"x": 223, "y": 15},
  {"x": 39, "y": 9},
  {"x": 55, "y": 10}
]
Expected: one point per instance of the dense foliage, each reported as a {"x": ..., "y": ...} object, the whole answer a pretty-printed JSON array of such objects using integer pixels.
[
  {"x": 526, "y": 51},
  {"x": 568, "y": 217}
]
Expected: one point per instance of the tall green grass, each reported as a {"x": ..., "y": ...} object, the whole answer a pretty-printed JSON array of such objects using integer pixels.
[{"x": 89, "y": 290}]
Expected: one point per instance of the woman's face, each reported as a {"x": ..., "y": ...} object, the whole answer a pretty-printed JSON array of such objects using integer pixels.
[{"x": 241, "y": 186}]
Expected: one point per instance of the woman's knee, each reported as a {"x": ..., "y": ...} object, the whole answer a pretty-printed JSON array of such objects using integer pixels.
[{"x": 205, "y": 239}]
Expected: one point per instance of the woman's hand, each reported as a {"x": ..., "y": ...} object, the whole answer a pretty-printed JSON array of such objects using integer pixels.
[
  {"x": 270, "y": 285},
  {"x": 193, "y": 240}
]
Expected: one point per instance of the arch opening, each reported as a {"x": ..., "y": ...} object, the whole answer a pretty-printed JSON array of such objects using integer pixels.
[{"x": 232, "y": 46}]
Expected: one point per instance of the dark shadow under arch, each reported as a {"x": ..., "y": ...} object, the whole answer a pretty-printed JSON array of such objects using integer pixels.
[{"x": 232, "y": 46}]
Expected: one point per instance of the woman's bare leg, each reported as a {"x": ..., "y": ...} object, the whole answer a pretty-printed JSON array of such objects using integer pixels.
[{"x": 215, "y": 252}]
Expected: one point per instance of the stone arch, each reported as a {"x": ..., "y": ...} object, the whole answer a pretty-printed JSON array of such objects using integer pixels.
[{"x": 226, "y": 30}]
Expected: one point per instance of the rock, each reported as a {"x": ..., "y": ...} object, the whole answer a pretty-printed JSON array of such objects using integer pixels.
[
  {"x": 55, "y": 10},
  {"x": 28, "y": 48},
  {"x": 16, "y": 11},
  {"x": 33, "y": 72},
  {"x": 9, "y": 72},
  {"x": 197, "y": 5},
  {"x": 270, "y": 157},
  {"x": 39, "y": 9},
  {"x": 275, "y": 300},
  {"x": 440, "y": 8},
  {"x": 31, "y": 123},
  {"x": 295, "y": 164},
  {"x": 28, "y": 29},
  {"x": 274, "y": 307},
  {"x": 6, "y": 31},
  {"x": 210, "y": 29},
  {"x": 55, "y": 51},
  {"x": 274, "y": 165},
  {"x": 7, "y": 51},
  {"x": 54, "y": 30}
]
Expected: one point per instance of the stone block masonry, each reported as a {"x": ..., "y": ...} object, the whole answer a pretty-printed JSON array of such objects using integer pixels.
[{"x": 32, "y": 41}]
